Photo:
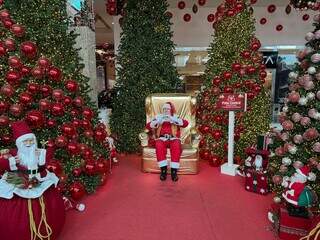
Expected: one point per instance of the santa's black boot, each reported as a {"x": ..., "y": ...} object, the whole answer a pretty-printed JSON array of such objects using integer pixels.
[
  {"x": 163, "y": 173},
  {"x": 174, "y": 175}
]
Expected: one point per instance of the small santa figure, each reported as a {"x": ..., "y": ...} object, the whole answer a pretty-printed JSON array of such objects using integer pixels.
[
  {"x": 167, "y": 132},
  {"x": 30, "y": 205},
  {"x": 297, "y": 194}
]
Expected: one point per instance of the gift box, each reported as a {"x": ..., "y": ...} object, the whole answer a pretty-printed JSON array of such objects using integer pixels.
[
  {"x": 293, "y": 228},
  {"x": 256, "y": 181}
]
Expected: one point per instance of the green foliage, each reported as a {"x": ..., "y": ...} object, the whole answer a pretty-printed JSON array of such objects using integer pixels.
[
  {"x": 46, "y": 23},
  {"x": 145, "y": 61},
  {"x": 232, "y": 37}
]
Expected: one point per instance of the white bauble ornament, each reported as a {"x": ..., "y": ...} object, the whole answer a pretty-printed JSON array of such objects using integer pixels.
[
  {"x": 317, "y": 116},
  {"x": 286, "y": 161},
  {"x": 303, "y": 101},
  {"x": 293, "y": 75},
  {"x": 318, "y": 95},
  {"x": 309, "y": 36},
  {"x": 317, "y": 34},
  {"x": 285, "y": 109},
  {"x": 277, "y": 199},
  {"x": 292, "y": 149},
  {"x": 317, "y": 75},
  {"x": 311, "y": 96},
  {"x": 312, "y": 70},
  {"x": 315, "y": 58},
  {"x": 308, "y": 85}
]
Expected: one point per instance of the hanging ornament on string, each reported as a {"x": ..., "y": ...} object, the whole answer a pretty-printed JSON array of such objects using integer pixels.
[
  {"x": 288, "y": 9},
  {"x": 202, "y": 2},
  {"x": 279, "y": 27},
  {"x": 210, "y": 17},
  {"x": 194, "y": 8},
  {"x": 271, "y": 8},
  {"x": 187, "y": 17},
  {"x": 181, "y": 5},
  {"x": 305, "y": 17},
  {"x": 263, "y": 21}
]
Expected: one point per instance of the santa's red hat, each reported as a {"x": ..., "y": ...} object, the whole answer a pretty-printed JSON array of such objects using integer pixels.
[
  {"x": 21, "y": 131},
  {"x": 304, "y": 171},
  {"x": 171, "y": 106}
]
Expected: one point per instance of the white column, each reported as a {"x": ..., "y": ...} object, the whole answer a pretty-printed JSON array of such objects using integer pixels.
[{"x": 229, "y": 168}]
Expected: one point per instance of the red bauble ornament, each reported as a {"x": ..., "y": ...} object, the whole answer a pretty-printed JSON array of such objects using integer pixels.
[
  {"x": 61, "y": 141},
  {"x": 78, "y": 101},
  {"x": 257, "y": 89},
  {"x": 236, "y": 67},
  {"x": 74, "y": 113},
  {"x": 272, "y": 8},
  {"x": 68, "y": 129},
  {"x": 76, "y": 123},
  {"x": 205, "y": 129},
  {"x": 76, "y": 172},
  {"x": 181, "y": 5},
  {"x": 205, "y": 154},
  {"x": 201, "y": 2},
  {"x": 210, "y": 17},
  {"x": 18, "y": 30},
  {"x": 7, "y": 90},
  {"x": 227, "y": 75},
  {"x": 54, "y": 74},
  {"x": 221, "y": 8},
  {"x": 57, "y": 94},
  {"x": 246, "y": 54},
  {"x": 51, "y": 123},
  {"x": 88, "y": 133},
  {"x": 25, "y": 70},
  {"x": 4, "y": 14},
  {"x": 6, "y": 139},
  {"x": 187, "y": 17},
  {"x": 33, "y": 88},
  {"x": 13, "y": 77},
  {"x": 71, "y": 85},
  {"x": 228, "y": 89},
  {"x": 44, "y": 63},
  {"x": 230, "y": 13},
  {"x": 44, "y": 104},
  {"x": 101, "y": 126},
  {"x": 28, "y": 49},
  {"x": 250, "y": 95},
  {"x": 15, "y": 62},
  {"x": 25, "y": 98},
  {"x": 90, "y": 167},
  {"x": 279, "y": 27},
  {"x": 100, "y": 135},
  {"x": 72, "y": 148},
  {"x": 10, "y": 44},
  {"x": 57, "y": 109},
  {"x": 263, "y": 21},
  {"x": 77, "y": 190},
  {"x": 87, "y": 153},
  {"x": 87, "y": 113},
  {"x": 262, "y": 74},
  {"x": 251, "y": 70},
  {"x": 86, "y": 124},
  {"x": 7, "y": 23},
  {"x": 4, "y": 121},
  {"x": 3, "y": 107},
  {"x": 305, "y": 17},
  {"x": 16, "y": 110},
  {"x": 37, "y": 72},
  {"x": 101, "y": 166},
  {"x": 217, "y": 134},
  {"x": 3, "y": 50},
  {"x": 255, "y": 46},
  {"x": 67, "y": 100},
  {"x": 216, "y": 81}
]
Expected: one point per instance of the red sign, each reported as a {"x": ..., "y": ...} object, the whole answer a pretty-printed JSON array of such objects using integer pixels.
[{"x": 232, "y": 102}]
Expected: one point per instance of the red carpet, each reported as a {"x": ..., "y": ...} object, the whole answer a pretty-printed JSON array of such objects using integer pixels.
[{"x": 137, "y": 206}]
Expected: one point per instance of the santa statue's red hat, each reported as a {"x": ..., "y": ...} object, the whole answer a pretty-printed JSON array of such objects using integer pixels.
[
  {"x": 304, "y": 171},
  {"x": 171, "y": 106},
  {"x": 21, "y": 131}
]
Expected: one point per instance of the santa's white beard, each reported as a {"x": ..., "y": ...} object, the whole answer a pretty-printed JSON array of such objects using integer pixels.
[
  {"x": 27, "y": 156},
  {"x": 298, "y": 178}
]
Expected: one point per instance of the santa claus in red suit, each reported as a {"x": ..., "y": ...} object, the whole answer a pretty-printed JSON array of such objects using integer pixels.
[
  {"x": 167, "y": 128},
  {"x": 30, "y": 205}
]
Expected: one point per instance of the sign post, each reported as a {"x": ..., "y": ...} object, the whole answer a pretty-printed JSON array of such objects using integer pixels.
[{"x": 231, "y": 103}]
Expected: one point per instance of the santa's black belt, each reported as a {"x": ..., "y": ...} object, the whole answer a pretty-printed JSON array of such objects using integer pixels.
[
  {"x": 34, "y": 171},
  {"x": 166, "y": 136}
]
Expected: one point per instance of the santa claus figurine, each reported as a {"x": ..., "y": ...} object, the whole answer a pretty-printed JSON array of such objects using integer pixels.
[
  {"x": 30, "y": 205},
  {"x": 167, "y": 130}
]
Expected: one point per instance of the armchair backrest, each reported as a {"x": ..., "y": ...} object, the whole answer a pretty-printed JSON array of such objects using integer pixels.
[{"x": 184, "y": 105}]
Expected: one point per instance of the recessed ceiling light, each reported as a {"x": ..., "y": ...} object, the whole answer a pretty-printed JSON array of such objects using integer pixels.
[{"x": 112, "y": 23}]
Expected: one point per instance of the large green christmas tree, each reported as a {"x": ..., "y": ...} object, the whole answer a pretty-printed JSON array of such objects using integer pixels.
[
  {"x": 41, "y": 81},
  {"x": 298, "y": 143},
  {"x": 146, "y": 66},
  {"x": 234, "y": 66}
]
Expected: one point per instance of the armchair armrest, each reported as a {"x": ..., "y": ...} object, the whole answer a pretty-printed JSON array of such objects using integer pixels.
[
  {"x": 195, "y": 138},
  {"x": 144, "y": 138}
]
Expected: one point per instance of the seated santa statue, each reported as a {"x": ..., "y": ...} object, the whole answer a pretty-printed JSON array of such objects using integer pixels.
[{"x": 30, "y": 205}]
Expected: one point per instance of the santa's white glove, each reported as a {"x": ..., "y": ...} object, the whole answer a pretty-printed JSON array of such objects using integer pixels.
[
  {"x": 247, "y": 162},
  {"x": 175, "y": 120},
  {"x": 13, "y": 163},
  {"x": 155, "y": 122},
  {"x": 285, "y": 182}
]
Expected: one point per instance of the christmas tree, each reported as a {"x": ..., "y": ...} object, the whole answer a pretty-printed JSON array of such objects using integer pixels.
[
  {"x": 298, "y": 143},
  {"x": 146, "y": 63},
  {"x": 41, "y": 82},
  {"x": 234, "y": 66}
]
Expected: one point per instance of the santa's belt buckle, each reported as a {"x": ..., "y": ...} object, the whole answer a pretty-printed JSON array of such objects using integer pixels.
[
  {"x": 34, "y": 171},
  {"x": 167, "y": 136}
]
